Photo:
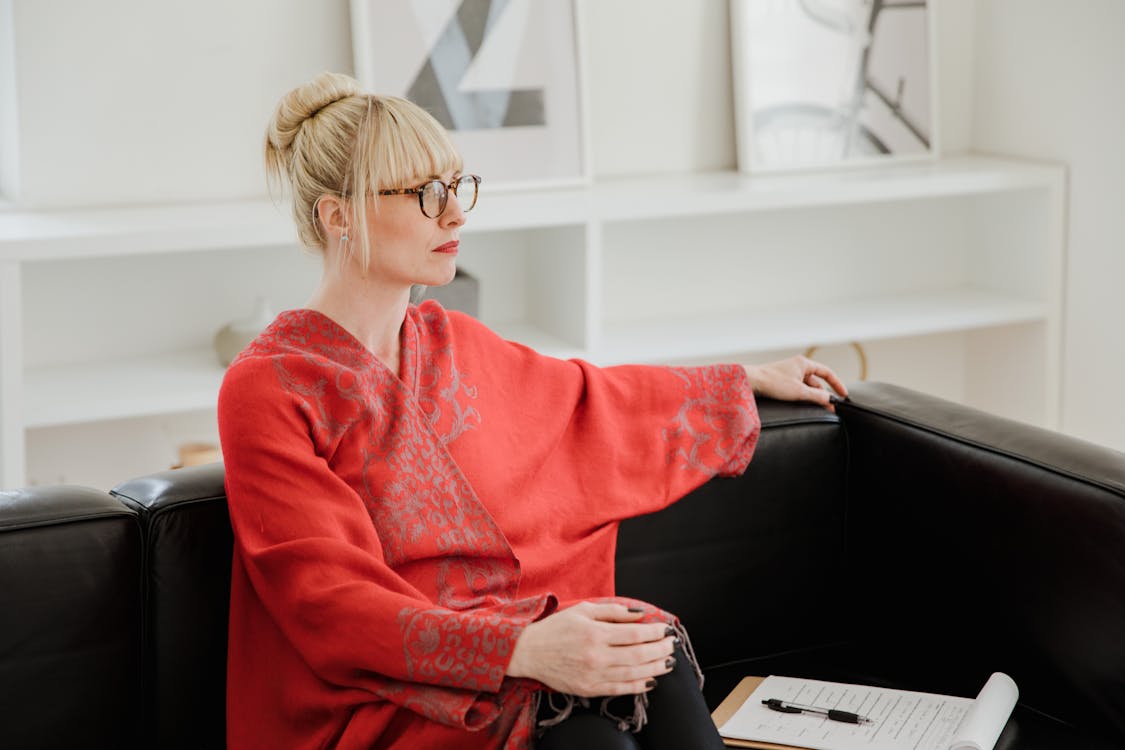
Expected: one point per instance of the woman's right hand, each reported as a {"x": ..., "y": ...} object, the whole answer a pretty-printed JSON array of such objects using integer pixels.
[{"x": 594, "y": 649}]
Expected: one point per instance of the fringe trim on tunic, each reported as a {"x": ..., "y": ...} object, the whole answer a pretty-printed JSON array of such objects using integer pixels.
[{"x": 562, "y": 704}]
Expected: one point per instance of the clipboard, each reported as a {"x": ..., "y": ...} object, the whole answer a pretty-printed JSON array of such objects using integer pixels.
[
  {"x": 980, "y": 721},
  {"x": 731, "y": 703}
]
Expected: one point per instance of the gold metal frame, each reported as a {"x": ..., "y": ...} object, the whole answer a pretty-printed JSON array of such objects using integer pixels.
[{"x": 860, "y": 353}]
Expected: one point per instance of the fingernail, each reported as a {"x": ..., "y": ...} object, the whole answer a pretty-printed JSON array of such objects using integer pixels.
[
  {"x": 650, "y": 684},
  {"x": 636, "y": 609},
  {"x": 677, "y": 641},
  {"x": 671, "y": 662},
  {"x": 669, "y": 631}
]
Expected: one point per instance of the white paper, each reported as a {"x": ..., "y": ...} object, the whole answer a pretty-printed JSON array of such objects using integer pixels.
[
  {"x": 902, "y": 720},
  {"x": 989, "y": 713}
]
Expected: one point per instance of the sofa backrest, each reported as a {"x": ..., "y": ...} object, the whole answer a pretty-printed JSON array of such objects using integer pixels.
[
  {"x": 732, "y": 559},
  {"x": 70, "y": 625}
]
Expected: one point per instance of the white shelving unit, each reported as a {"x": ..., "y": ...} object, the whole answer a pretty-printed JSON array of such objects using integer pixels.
[
  {"x": 796, "y": 325},
  {"x": 650, "y": 269}
]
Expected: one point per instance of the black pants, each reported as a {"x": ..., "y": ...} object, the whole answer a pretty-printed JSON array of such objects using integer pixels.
[{"x": 677, "y": 720}]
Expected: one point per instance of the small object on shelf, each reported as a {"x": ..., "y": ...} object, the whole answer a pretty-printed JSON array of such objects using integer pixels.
[
  {"x": 196, "y": 454},
  {"x": 236, "y": 335},
  {"x": 462, "y": 294}
]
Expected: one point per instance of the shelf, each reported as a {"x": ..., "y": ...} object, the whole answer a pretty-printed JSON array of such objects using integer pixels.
[
  {"x": 146, "y": 386},
  {"x": 169, "y": 383},
  {"x": 803, "y": 325},
  {"x": 146, "y": 230},
  {"x": 188, "y": 381},
  {"x": 539, "y": 340},
  {"x": 93, "y": 233},
  {"x": 90, "y": 233},
  {"x": 505, "y": 211},
  {"x": 730, "y": 192}
]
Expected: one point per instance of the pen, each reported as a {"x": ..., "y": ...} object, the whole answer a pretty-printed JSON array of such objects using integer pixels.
[{"x": 775, "y": 704}]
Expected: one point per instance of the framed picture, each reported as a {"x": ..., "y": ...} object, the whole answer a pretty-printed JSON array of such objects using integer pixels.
[
  {"x": 821, "y": 83},
  {"x": 501, "y": 75}
]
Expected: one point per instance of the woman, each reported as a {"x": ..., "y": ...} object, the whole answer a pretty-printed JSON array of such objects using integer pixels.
[{"x": 425, "y": 514}]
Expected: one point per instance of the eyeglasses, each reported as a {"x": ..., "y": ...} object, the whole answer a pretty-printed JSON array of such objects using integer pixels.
[{"x": 433, "y": 196}]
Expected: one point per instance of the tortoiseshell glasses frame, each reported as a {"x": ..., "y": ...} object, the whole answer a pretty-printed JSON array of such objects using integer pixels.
[{"x": 433, "y": 196}]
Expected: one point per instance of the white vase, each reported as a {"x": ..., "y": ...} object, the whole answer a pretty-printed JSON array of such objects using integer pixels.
[{"x": 236, "y": 335}]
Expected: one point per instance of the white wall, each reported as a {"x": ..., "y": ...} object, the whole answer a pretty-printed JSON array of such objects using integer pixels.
[
  {"x": 134, "y": 101},
  {"x": 9, "y": 147},
  {"x": 660, "y": 99},
  {"x": 1050, "y": 84}
]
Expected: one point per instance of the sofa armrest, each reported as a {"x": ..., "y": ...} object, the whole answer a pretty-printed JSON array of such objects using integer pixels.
[
  {"x": 187, "y": 572},
  {"x": 982, "y": 544}
]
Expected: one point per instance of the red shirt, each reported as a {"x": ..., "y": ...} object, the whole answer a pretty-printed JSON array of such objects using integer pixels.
[{"x": 395, "y": 533}]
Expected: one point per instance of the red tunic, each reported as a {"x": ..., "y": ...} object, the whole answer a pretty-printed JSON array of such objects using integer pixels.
[{"x": 394, "y": 534}]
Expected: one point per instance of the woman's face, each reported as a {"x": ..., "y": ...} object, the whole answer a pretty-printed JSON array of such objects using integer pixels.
[{"x": 409, "y": 247}]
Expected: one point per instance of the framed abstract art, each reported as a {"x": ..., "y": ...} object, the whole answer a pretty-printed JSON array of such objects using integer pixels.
[
  {"x": 821, "y": 83},
  {"x": 501, "y": 75}
]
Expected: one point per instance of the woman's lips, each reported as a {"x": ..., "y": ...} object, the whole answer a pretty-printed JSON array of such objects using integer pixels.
[{"x": 449, "y": 248}]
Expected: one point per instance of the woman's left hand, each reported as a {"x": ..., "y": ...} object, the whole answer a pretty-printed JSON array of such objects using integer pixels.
[{"x": 795, "y": 379}]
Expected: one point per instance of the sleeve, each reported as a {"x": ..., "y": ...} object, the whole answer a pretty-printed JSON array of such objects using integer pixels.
[
  {"x": 635, "y": 438},
  {"x": 649, "y": 435},
  {"x": 315, "y": 562}
]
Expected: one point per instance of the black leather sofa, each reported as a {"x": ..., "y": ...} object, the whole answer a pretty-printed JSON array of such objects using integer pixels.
[{"x": 904, "y": 541}]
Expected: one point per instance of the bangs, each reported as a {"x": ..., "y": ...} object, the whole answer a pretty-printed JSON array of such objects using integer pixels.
[{"x": 419, "y": 149}]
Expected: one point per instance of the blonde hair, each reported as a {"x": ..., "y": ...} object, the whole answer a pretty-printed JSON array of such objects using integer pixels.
[{"x": 327, "y": 137}]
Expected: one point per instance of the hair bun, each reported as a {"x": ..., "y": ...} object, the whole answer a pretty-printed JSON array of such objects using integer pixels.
[{"x": 304, "y": 102}]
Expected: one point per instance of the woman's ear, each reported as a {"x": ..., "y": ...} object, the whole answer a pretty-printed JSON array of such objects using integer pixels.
[{"x": 332, "y": 213}]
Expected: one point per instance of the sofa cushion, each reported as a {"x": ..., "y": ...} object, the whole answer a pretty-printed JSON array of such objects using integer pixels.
[{"x": 70, "y": 626}]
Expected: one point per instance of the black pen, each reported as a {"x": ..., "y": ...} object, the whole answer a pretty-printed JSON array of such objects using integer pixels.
[{"x": 848, "y": 717}]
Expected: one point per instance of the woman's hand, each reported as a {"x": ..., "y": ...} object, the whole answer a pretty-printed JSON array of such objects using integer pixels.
[
  {"x": 795, "y": 379},
  {"x": 594, "y": 650}
]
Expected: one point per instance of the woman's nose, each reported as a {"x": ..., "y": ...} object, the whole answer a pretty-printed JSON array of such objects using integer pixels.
[{"x": 452, "y": 215}]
